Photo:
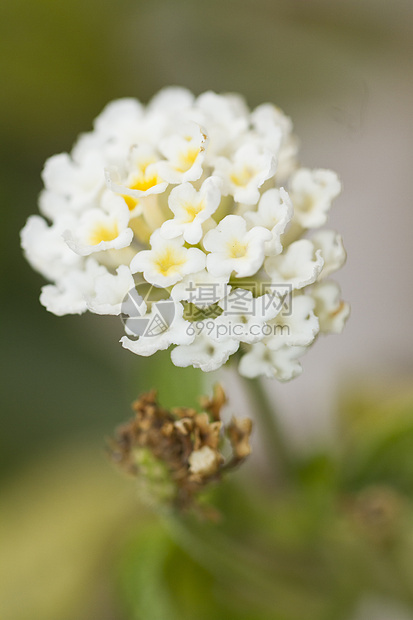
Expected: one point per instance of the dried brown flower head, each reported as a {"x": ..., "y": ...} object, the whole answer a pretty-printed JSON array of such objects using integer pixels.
[{"x": 177, "y": 453}]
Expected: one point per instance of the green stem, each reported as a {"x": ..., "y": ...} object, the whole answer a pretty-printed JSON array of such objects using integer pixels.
[
  {"x": 278, "y": 455},
  {"x": 257, "y": 578},
  {"x": 222, "y": 557}
]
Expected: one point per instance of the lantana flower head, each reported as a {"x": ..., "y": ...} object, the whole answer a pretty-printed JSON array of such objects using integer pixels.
[{"x": 205, "y": 200}]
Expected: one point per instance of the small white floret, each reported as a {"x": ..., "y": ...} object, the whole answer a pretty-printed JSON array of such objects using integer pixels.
[
  {"x": 226, "y": 117},
  {"x": 101, "y": 229},
  {"x": 297, "y": 327},
  {"x": 205, "y": 353},
  {"x": 331, "y": 310},
  {"x": 201, "y": 289},
  {"x": 158, "y": 336},
  {"x": 171, "y": 99},
  {"x": 298, "y": 266},
  {"x": 79, "y": 185},
  {"x": 274, "y": 212},
  {"x": 139, "y": 178},
  {"x": 70, "y": 293},
  {"x": 332, "y": 250},
  {"x": 184, "y": 154},
  {"x": 168, "y": 261},
  {"x": 45, "y": 248},
  {"x": 242, "y": 176},
  {"x": 233, "y": 248},
  {"x": 244, "y": 317},
  {"x": 191, "y": 209},
  {"x": 110, "y": 291},
  {"x": 274, "y": 129},
  {"x": 312, "y": 193},
  {"x": 281, "y": 364}
]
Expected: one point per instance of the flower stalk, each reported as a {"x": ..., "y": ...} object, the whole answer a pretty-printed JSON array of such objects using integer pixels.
[{"x": 276, "y": 448}]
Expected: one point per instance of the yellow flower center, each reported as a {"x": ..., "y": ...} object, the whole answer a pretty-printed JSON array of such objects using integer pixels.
[
  {"x": 169, "y": 260},
  {"x": 104, "y": 232},
  {"x": 145, "y": 181},
  {"x": 142, "y": 179},
  {"x": 243, "y": 176},
  {"x": 305, "y": 203},
  {"x": 131, "y": 202},
  {"x": 187, "y": 159},
  {"x": 236, "y": 249},
  {"x": 193, "y": 210}
]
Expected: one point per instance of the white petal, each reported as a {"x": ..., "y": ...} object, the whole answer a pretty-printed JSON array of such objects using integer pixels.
[
  {"x": 110, "y": 291},
  {"x": 71, "y": 292},
  {"x": 332, "y": 250},
  {"x": 184, "y": 153},
  {"x": 152, "y": 341},
  {"x": 118, "y": 115},
  {"x": 191, "y": 209},
  {"x": 269, "y": 122},
  {"x": 297, "y": 327},
  {"x": 201, "y": 289},
  {"x": 45, "y": 248},
  {"x": 170, "y": 99},
  {"x": 298, "y": 266},
  {"x": 168, "y": 261},
  {"x": 80, "y": 185},
  {"x": 312, "y": 193},
  {"x": 204, "y": 353},
  {"x": 97, "y": 231},
  {"x": 234, "y": 249},
  {"x": 330, "y": 309},
  {"x": 275, "y": 211},
  {"x": 250, "y": 168},
  {"x": 281, "y": 364}
]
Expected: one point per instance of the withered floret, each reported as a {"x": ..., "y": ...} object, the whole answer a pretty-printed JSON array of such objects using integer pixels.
[{"x": 178, "y": 452}]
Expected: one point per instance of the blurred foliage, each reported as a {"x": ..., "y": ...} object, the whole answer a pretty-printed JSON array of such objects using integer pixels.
[
  {"x": 340, "y": 528},
  {"x": 61, "y": 523}
]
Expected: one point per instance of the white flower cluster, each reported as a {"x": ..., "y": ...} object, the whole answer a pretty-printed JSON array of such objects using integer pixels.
[{"x": 189, "y": 194}]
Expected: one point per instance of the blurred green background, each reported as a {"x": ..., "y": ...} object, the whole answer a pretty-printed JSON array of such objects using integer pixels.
[{"x": 343, "y": 72}]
